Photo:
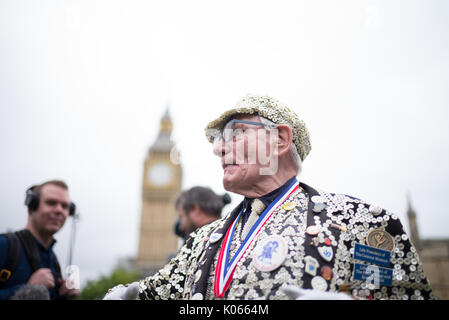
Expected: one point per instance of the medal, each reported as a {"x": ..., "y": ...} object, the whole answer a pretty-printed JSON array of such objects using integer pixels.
[
  {"x": 381, "y": 239},
  {"x": 226, "y": 264}
]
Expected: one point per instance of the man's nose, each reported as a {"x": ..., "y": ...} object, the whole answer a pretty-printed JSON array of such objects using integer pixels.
[
  {"x": 60, "y": 208},
  {"x": 219, "y": 147}
]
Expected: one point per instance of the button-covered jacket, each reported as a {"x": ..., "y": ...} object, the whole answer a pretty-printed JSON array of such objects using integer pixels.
[{"x": 331, "y": 242}]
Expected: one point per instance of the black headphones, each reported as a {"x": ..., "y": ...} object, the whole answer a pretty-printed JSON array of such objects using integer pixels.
[{"x": 32, "y": 201}]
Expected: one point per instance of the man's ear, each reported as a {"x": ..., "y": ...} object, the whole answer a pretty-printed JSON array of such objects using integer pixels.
[
  {"x": 195, "y": 211},
  {"x": 285, "y": 137}
]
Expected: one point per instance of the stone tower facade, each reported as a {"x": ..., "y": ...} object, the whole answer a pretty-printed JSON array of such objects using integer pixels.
[
  {"x": 434, "y": 255},
  {"x": 161, "y": 183}
]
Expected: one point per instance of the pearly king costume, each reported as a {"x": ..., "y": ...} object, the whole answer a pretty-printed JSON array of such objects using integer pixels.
[{"x": 303, "y": 237}]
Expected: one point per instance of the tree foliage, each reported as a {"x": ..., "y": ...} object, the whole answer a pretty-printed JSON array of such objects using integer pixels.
[{"x": 96, "y": 289}]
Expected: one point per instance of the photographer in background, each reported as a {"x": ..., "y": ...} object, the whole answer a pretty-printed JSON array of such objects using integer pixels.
[
  {"x": 27, "y": 260},
  {"x": 197, "y": 207}
]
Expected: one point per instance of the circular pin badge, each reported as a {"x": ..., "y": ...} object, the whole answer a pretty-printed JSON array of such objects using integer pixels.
[
  {"x": 381, "y": 239},
  {"x": 326, "y": 272},
  {"x": 313, "y": 230},
  {"x": 270, "y": 253},
  {"x": 214, "y": 237},
  {"x": 289, "y": 206},
  {"x": 319, "y": 283}
]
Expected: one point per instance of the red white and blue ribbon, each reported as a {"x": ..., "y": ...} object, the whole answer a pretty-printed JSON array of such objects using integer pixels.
[{"x": 225, "y": 266}]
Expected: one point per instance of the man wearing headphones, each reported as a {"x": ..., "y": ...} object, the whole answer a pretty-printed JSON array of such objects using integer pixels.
[{"x": 27, "y": 256}]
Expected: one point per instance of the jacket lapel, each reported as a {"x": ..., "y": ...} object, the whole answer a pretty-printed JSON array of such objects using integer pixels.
[{"x": 211, "y": 246}]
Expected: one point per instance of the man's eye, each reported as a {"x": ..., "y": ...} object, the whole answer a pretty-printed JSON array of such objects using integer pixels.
[{"x": 51, "y": 202}]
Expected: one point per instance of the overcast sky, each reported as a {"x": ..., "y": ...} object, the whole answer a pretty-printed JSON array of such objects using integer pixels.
[{"x": 83, "y": 85}]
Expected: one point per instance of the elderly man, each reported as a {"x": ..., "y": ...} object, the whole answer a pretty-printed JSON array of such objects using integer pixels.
[{"x": 285, "y": 239}]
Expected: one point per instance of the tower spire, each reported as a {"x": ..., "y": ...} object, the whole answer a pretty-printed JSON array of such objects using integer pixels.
[
  {"x": 163, "y": 141},
  {"x": 413, "y": 225}
]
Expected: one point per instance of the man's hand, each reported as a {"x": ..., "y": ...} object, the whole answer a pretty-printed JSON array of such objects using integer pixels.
[
  {"x": 66, "y": 292},
  {"x": 42, "y": 276},
  {"x": 121, "y": 292},
  {"x": 296, "y": 293}
]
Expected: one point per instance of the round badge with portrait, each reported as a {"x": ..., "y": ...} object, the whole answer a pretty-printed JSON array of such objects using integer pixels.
[{"x": 270, "y": 253}]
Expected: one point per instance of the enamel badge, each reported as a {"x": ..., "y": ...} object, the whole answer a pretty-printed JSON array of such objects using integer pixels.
[
  {"x": 214, "y": 237},
  {"x": 270, "y": 253},
  {"x": 318, "y": 207},
  {"x": 326, "y": 253},
  {"x": 313, "y": 230},
  {"x": 289, "y": 206},
  {"x": 311, "y": 265}
]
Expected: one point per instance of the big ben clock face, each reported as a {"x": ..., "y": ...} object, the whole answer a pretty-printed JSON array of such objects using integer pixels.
[{"x": 160, "y": 174}]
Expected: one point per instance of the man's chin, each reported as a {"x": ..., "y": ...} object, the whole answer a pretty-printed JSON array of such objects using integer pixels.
[
  {"x": 54, "y": 228},
  {"x": 232, "y": 183},
  {"x": 234, "y": 177},
  {"x": 228, "y": 183}
]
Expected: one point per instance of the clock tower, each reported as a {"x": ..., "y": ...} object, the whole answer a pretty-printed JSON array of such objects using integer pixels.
[{"x": 162, "y": 179}]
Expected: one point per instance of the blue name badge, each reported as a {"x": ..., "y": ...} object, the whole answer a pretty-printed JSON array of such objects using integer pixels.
[
  {"x": 373, "y": 274},
  {"x": 372, "y": 255}
]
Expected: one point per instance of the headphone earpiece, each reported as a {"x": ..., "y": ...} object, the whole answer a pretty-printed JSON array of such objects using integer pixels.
[
  {"x": 72, "y": 209},
  {"x": 32, "y": 201}
]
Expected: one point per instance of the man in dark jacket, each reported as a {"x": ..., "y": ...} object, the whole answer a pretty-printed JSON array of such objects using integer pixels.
[{"x": 48, "y": 208}]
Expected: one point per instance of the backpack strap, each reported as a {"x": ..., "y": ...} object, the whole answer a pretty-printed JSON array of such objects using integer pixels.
[
  {"x": 57, "y": 267},
  {"x": 30, "y": 247},
  {"x": 32, "y": 252},
  {"x": 16, "y": 240},
  {"x": 12, "y": 258}
]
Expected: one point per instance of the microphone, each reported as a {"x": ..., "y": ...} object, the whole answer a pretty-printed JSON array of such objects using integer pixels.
[
  {"x": 32, "y": 292},
  {"x": 226, "y": 198},
  {"x": 178, "y": 231}
]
